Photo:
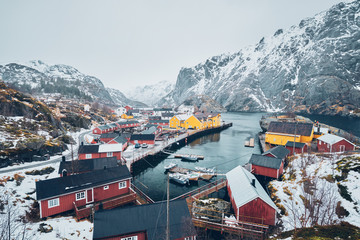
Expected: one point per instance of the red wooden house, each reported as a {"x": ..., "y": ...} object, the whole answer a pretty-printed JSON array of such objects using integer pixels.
[
  {"x": 145, "y": 222},
  {"x": 299, "y": 147},
  {"x": 142, "y": 138},
  {"x": 164, "y": 123},
  {"x": 128, "y": 108},
  {"x": 100, "y": 151},
  {"x": 67, "y": 168},
  {"x": 128, "y": 124},
  {"x": 120, "y": 140},
  {"x": 107, "y": 137},
  {"x": 332, "y": 143},
  {"x": 266, "y": 166},
  {"x": 102, "y": 129},
  {"x": 277, "y": 152},
  {"x": 249, "y": 199},
  {"x": 108, "y": 187}
]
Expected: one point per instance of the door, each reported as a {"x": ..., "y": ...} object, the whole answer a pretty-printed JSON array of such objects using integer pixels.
[
  {"x": 342, "y": 148},
  {"x": 90, "y": 195}
]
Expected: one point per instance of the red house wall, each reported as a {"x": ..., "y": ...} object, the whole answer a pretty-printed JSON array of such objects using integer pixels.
[
  {"x": 324, "y": 147},
  {"x": 297, "y": 150},
  {"x": 66, "y": 201},
  {"x": 140, "y": 236},
  {"x": 106, "y": 140},
  {"x": 101, "y": 194},
  {"x": 96, "y": 131},
  {"x": 264, "y": 171},
  {"x": 257, "y": 211},
  {"x": 143, "y": 141},
  {"x": 82, "y": 156}
]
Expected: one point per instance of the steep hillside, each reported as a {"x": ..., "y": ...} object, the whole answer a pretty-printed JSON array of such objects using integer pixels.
[
  {"x": 313, "y": 67},
  {"x": 36, "y": 77},
  {"x": 151, "y": 94}
]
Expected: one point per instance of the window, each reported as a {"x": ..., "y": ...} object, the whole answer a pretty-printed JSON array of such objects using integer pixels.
[
  {"x": 80, "y": 195},
  {"x": 319, "y": 142},
  {"x": 53, "y": 203},
  {"x": 122, "y": 184},
  {"x": 88, "y": 155},
  {"x": 109, "y": 154},
  {"x": 106, "y": 187},
  {"x": 130, "y": 238}
]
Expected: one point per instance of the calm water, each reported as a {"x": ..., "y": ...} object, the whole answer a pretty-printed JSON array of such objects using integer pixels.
[{"x": 224, "y": 150}]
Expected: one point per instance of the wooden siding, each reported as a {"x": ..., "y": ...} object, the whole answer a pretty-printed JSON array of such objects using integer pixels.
[
  {"x": 257, "y": 211},
  {"x": 82, "y": 156},
  {"x": 282, "y": 139},
  {"x": 336, "y": 147},
  {"x": 140, "y": 236},
  {"x": 269, "y": 172},
  {"x": 101, "y": 194},
  {"x": 297, "y": 150},
  {"x": 143, "y": 141}
]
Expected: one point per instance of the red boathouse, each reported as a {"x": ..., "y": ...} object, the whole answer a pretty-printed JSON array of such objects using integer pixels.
[
  {"x": 100, "y": 151},
  {"x": 266, "y": 166},
  {"x": 249, "y": 199},
  {"x": 109, "y": 187},
  {"x": 332, "y": 143}
]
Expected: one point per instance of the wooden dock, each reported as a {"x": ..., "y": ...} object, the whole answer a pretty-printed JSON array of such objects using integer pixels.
[
  {"x": 250, "y": 142},
  {"x": 135, "y": 156},
  {"x": 204, "y": 175},
  {"x": 199, "y": 157}
]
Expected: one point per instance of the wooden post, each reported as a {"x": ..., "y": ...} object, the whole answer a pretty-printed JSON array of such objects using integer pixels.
[{"x": 167, "y": 210}]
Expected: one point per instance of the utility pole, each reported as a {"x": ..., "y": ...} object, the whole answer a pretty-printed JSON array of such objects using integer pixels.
[
  {"x": 294, "y": 139},
  {"x": 167, "y": 210}
]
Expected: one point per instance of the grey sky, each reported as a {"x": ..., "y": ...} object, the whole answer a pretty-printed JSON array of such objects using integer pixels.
[{"x": 129, "y": 43}]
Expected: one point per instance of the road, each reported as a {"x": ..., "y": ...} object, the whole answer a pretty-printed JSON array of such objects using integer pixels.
[{"x": 58, "y": 159}]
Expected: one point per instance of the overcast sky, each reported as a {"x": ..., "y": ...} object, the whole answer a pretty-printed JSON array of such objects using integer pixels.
[{"x": 130, "y": 43}]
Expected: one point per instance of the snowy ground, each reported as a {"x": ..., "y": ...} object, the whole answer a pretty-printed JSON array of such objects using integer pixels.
[
  {"x": 309, "y": 192},
  {"x": 63, "y": 227}
]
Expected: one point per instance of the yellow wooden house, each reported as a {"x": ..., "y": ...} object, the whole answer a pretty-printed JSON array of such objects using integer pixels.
[
  {"x": 125, "y": 116},
  {"x": 178, "y": 121},
  {"x": 279, "y": 133}
]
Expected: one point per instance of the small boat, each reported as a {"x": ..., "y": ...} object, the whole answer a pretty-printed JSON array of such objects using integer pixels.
[
  {"x": 193, "y": 176},
  {"x": 189, "y": 158},
  {"x": 206, "y": 170},
  {"x": 179, "y": 178},
  {"x": 170, "y": 165}
]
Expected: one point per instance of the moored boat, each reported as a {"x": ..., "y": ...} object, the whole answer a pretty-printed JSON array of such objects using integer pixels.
[
  {"x": 189, "y": 158},
  {"x": 170, "y": 165},
  {"x": 179, "y": 178},
  {"x": 206, "y": 170}
]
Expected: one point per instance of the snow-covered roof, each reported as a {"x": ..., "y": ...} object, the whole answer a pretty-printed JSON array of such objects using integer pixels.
[
  {"x": 331, "y": 139},
  {"x": 240, "y": 183},
  {"x": 182, "y": 117},
  {"x": 110, "y": 148}
]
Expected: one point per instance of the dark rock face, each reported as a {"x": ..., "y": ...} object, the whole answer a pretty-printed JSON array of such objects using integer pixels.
[{"x": 313, "y": 67}]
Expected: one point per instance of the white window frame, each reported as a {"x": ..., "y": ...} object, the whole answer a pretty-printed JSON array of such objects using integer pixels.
[
  {"x": 106, "y": 187},
  {"x": 122, "y": 184},
  {"x": 88, "y": 156},
  {"x": 109, "y": 154},
  {"x": 80, "y": 196},
  {"x": 130, "y": 238},
  {"x": 53, "y": 202}
]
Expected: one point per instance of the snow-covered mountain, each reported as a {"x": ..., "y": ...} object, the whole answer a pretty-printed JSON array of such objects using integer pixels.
[
  {"x": 311, "y": 67},
  {"x": 120, "y": 99},
  {"x": 37, "y": 77},
  {"x": 151, "y": 94}
]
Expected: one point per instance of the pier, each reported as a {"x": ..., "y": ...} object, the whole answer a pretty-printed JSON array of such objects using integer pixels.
[{"x": 129, "y": 158}]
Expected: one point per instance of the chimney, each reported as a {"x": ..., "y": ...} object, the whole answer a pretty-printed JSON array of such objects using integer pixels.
[
  {"x": 82, "y": 143},
  {"x": 63, "y": 158},
  {"x": 253, "y": 182},
  {"x": 104, "y": 167}
]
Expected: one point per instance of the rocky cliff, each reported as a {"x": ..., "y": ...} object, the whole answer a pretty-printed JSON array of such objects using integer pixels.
[{"x": 312, "y": 67}]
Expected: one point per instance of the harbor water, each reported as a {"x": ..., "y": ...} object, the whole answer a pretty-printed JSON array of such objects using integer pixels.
[{"x": 224, "y": 151}]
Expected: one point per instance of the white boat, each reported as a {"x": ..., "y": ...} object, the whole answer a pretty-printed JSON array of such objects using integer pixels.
[
  {"x": 207, "y": 170},
  {"x": 170, "y": 166},
  {"x": 179, "y": 178},
  {"x": 193, "y": 176}
]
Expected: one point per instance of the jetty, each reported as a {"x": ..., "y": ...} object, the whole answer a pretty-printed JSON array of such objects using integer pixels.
[
  {"x": 250, "y": 143},
  {"x": 202, "y": 174},
  {"x": 161, "y": 147},
  {"x": 242, "y": 229}
]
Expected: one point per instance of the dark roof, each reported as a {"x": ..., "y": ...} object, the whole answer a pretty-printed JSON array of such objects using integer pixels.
[
  {"x": 278, "y": 152},
  {"x": 163, "y": 109},
  {"x": 127, "y": 122},
  {"x": 109, "y": 135},
  {"x": 112, "y": 125},
  {"x": 88, "y": 148},
  {"x": 87, "y": 164},
  {"x": 154, "y": 117},
  {"x": 73, "y": 183},
  {"x": 103, "y": 127},
  {"x": 158, "y": 121},
  {"x": 120, "y": 139},
  {"x": 142, "y": 137},
  {"x": 265, "y": 161},
  {"x": 167, "y": 114},
  {"x": 150, "y": 218},
  {"x": 297, "y": 144},
  {"x": 303, "y": 129},
  {"x": 150, "y": 130}
]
